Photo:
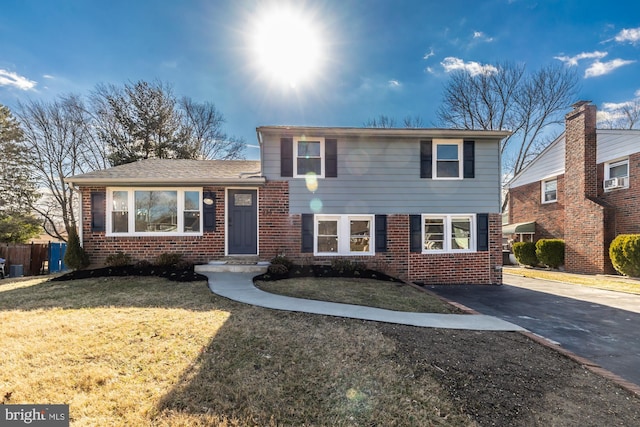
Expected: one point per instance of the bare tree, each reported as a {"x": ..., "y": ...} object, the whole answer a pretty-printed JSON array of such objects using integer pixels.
[
  {"x": 510, "y": 99},
  {"x": 622, "y": 116},
  {"x": 145, "y": 120},
  {"x": 59, "y": 141},
  {"x": 203, "y": 125},
  {"x": 139, "y": 121},
  {"x": 383, "y": 121}
]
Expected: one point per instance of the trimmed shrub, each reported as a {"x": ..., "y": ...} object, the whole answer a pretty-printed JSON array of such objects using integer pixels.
[
  {"x": 168, "y": 259},
  {"x": 525, "y": 253},
  {"x": 118, "y": 259},
  {"x": 550, "y": 252},
  {"x": 282, "y": 260},
  {"x": 75, "y": 257},
  {"x": 347, "y": 266},
  {"x": 625, "y": 254},
  {"x": 278, "y": 269}
]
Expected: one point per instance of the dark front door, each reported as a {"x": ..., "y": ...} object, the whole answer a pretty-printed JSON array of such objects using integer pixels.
[{"x": 242, "y": 222}]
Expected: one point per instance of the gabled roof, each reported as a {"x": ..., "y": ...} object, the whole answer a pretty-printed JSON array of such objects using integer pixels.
[
  {"x": 382, "y": 132},
  {"x": 612, "y": 144},
  {"x": 155, "y": 172}
]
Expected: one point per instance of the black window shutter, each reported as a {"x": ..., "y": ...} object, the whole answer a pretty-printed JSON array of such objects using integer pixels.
[
  {"x": 331, "y": 158},
  {"x": 381, "y": 233},
  {"x": 483, "y": 232},
  {"x": 286, "y": 156},
  {"x": 426, "y": 156},
  {"x": 98, "y": 218},
  {"x": 469, "y": 156},
  {"x": 307, "y": 233},
  {"x": 415, "y": 233},
  {"x": 209, "y": 210}
]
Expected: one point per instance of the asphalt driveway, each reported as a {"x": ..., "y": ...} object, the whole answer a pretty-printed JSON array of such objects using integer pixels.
[{"x": 602, "y": 326}]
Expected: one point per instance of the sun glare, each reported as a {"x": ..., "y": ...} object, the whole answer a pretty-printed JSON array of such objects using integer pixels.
[{"x": 288, "y": 47}]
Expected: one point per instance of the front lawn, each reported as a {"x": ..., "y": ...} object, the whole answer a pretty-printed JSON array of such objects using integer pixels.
[{"x": 129, "y": 351}]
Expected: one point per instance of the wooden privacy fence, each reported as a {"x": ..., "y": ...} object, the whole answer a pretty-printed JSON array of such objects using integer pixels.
[{"x": 33, "y": 257}]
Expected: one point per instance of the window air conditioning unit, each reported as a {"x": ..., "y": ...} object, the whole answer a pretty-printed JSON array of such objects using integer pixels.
[{"x": 613, "y": 183}]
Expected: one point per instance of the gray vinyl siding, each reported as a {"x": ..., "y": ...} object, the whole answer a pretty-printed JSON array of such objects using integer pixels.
[{"x": 383, "y": 177}]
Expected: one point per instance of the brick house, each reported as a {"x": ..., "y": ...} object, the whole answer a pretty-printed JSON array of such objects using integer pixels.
[
  {"x": 583, "y": 188},
  {"x": 420, "y": 204}
]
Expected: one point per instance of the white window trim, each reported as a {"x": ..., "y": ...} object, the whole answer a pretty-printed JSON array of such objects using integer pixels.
[
  {"x": 542, "y": 191},
  {"x": 295, "y": 155},
  {"x": 131, "y": 212},
  {"x": 344, "y": 234},
  {"x": 614, "y": 163},
  {"x": 447, "y": 233},
  {"x": 434, "y": 156}
]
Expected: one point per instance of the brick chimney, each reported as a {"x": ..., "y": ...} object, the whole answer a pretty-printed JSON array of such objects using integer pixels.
[{"x": 586, "y": 217}]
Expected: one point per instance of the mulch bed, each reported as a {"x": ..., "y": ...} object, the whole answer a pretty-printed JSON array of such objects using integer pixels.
[
  {"x": 325, "y": 271},
  {"x": 185, "y": 274}
]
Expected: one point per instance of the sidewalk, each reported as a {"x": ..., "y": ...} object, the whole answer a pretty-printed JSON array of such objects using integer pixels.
[{"x": 239, "y": 287}]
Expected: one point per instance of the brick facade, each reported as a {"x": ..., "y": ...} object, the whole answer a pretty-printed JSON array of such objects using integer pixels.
[
  {"x": 196, "y": 249},
  {"x": 280, "y": 233},
  {"x": 585, "y": 216},
  {"x": 525, "y": 205}
]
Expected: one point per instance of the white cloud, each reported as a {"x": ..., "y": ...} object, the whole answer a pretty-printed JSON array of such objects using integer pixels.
[
  {"x": 616, "y": 105},
  {"x": 394, "y": 84},
  {"x": 602, "y": 68},
  {"x": 637, "y": 93},
  {"x": 631, "y": 35},
  {"x": 429, "y": 55},
  {"x": 48, "y": 76},
  {"x": 482, "y": 36},
  {"x": 573, "y": 60},
  {"x": 7, "y": 78},
  {"x": 474, "y": 68},
  {"x": 429, "y": 70}
]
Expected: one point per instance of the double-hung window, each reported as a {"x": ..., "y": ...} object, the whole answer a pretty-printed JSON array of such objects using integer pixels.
[
  {"x": 447, "y": 156},
  {"x": 616, "y": 174},
  {"x": 550, "y": 190},
  {"x": 448, "y": 233},
  {"x": 308, "y": 157},
  {"x": 154, "y": 211},
  {"x": 344, "y": 235}
]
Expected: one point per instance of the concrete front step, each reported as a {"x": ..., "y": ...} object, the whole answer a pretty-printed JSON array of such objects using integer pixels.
[{"x": 232, "y": 266}]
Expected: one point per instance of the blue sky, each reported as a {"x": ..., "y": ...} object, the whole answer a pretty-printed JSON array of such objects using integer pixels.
[{"x": 371, "y": 57}]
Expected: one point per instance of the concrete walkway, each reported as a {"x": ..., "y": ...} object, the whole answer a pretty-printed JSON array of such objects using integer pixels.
[{"x": 238, "y": 286}]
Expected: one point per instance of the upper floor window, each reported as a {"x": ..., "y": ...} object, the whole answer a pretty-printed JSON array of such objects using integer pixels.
[
  {"x": 447, "y": 162},
  {"x": 550, "y": 190},
  {"x": 309, "y": 155},
  {"x": 153, "y": 211},
  {"x": 616, "y": 174}
]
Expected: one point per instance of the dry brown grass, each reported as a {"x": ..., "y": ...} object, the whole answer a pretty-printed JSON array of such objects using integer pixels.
[
  {"x": 150, "y": 352},
  {"x": 146, "y": 351},
  {"x": 611, "y": 283},
  {"x": 373, "y": 293}
]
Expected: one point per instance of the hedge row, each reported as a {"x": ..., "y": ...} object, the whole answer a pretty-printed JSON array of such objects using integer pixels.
[{"x": 549, "y": 252}]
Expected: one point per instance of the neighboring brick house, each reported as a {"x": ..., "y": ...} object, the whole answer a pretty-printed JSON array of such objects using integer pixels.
[
  {"x": 419, "y": 204},
  {"x": 583, "y": 188}
]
